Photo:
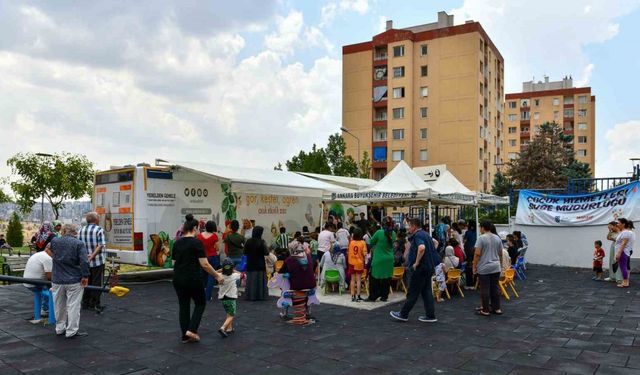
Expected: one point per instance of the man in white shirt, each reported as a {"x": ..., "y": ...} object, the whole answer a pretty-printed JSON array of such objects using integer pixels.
[
  {"x": 326, "y": 239},
  {"x": 39, "y": 267}
]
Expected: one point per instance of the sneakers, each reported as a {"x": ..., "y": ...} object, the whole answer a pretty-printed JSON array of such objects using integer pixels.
[
  {"x": 396, "y": 315},
  {"x": 425, "y": 319},
  {"x": 77, "y": 334}
]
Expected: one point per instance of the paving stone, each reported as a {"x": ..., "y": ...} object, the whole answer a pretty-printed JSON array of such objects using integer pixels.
[
  {"x": 603, "y": 358},
  {"x": 571, "y": 367},
  {"x": 525, "y": 370},
  {"x": 614, "y": 370}
]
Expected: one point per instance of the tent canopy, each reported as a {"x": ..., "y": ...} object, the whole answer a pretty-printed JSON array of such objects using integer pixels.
[{"x": 347, "y": 182}]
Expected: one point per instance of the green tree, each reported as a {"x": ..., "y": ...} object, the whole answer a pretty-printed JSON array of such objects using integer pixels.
[
  {"x": 576, "y": 169},
  {"x": 314, "y": 161},
  {"x": 501, "y": 185},
  {"x": 365, "y": 165},
  {"x": 59, "y": 178},
  {"x": 542, "y": 164},
  {"x": 15, "y": 238}
]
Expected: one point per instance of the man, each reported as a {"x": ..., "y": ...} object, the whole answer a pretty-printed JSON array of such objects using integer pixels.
[
  {"x": 469, "y": 239},
  {"x": 486, "y": 264},
  {"x": 39, "y": 268},
  {"x": 421, "y": 263},
  {"x": 94, "y": 241},
  {"x": 326, "y": 239},
  {"x": 70, "y": 274},
  {"x": 363, "y": 223}
]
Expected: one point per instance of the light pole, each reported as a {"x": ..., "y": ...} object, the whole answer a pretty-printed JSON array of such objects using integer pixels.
[
  {"x": 42, "y": 155},
  {"x": 358, "y": 140}
]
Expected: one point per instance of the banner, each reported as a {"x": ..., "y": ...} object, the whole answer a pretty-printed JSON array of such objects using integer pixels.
[{"x": 579, "y": 210}]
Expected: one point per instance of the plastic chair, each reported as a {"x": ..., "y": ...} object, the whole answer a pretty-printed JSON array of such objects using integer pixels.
[
  {"x": 332, "y": 277},
  {"x": 507, "y": 280},
  {"x": 520, "y": 268},
  {"x": 278, "y": 265},
  {"x": 37, "y": 306},
  {"x": 398, "y": 277},
  {"x": 453, "y": 278},
  {"x": 463, "y": 275}
]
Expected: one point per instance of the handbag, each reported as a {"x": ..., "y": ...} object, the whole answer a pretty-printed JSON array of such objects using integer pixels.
[{"x": 614, "y": 267}]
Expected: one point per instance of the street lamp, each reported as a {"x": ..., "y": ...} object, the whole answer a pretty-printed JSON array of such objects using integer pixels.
[
  {"x": 42, "y": 155},
  {"x": 357, "y": 139}
]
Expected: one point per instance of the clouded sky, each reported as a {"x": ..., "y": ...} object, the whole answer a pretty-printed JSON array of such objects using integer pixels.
[{"x": 252, "y": 82}]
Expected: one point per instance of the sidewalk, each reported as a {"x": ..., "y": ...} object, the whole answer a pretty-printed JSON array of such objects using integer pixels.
[{"x": 563, "y": 323}]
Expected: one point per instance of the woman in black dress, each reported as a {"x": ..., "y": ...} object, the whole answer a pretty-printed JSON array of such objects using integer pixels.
[
  {"x": 188, "y": 260},
  {"x": 255, "y": 250}
]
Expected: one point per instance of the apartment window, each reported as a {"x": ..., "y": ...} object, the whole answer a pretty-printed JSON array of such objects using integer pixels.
[
  {"x": 513, "y": 117},
  {"x": 556, "y": 114},
  {"x": 424, "y": 50},
  {"x": 524, "y": 103},
  {"x": 582, "y": 99},
  {"x": 536, "y": 102},
  {"x": 379, "y": 154},
  {"x": 398, "y": 113},
  {"x": 512, "y": 156},
  {"x": 582, "y": 139},
  {"x": 582, "y": 113},
  {"x": 568, "y": 100},
  {"x": 423, "y": 133},
  {"x": 556, "y": 101},
  {"x": 398, "y": 92},
  {"x": 398, "y": 72},
  {"x": 536, "y": 115},
  {"x": 582, "y": 126},
  {"x": 582, "y": 153},
  {"x": 480, "y": 175},
  {"x": 380, "y": 73},
  {"x": 379, "y": 134},
  {"x": 397, "y": 155},
  {"x": 398, "y": 51},
  {"x": 483, "y": 132},
  {"x": 481, "y": 108},
  {"x": 512, "y": 105},
  {"x": 513, "y": 130},
  {"x": 526, "y": 115},
  {"x": 424, "y": 155},
  {"x": 398, "y": 134},
  {"x": 424, "y": 91},
  {"x": 481, "y": 45},
  {"x": 481, "y": 154},
  {"x": 380, "y": 114},
  {"x": 424, "y": 112},
  {"x": 568, "y": 113},
  {"x": 424, "y": 70},
  {"x": 481, "y": 89},
  {"x": 512, "y": 143}
]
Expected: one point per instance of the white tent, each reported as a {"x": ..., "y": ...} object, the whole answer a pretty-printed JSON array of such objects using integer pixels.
[
  {"x": 354, "y": 183},
  {"x": 450, "y": 189}
]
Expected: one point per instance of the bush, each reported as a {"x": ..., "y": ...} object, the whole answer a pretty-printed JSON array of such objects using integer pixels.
[{"x": 15, "y": 237}]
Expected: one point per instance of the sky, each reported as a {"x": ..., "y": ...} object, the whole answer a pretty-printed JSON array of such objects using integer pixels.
[{"x": 250, "y": 83}]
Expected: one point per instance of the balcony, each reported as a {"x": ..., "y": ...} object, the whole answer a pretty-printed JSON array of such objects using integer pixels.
[
  {"x": 525, "y": 134},
  {"x": 382, "y": 164},
  {"x": 485, "y": 144},
  {"x": 380, "y": 57},
  {"x": 380, "y": 82},
  {"x": 568, "y": 131},
  {"x": 381, "y": 104}
]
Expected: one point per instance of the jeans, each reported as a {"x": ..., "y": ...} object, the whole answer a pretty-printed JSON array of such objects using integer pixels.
[
  {"x": 67, "y": 298},
  {"x": 91, "y": 299},
  {"x": 489, "y": 290},
  {"x": 420, "y": 285},
  {"x": 186, "y": 293},
  {"x": 45, "y": 298},
  {"x": 210, "y": 281}
]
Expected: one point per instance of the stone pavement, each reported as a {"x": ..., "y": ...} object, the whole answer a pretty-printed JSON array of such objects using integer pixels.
[{"x": 563, "y": 323}]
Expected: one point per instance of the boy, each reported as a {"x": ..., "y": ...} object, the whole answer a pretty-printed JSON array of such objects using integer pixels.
[{"x": 598, "y": 256}]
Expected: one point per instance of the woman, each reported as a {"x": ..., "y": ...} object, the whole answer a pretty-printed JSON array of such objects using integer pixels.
[
  {"x": 210, "y": 240},
  {"x": 456, "y": 232},
  {"x": 189, "y": 260},
  {"x": 333, "y": 260},
  {"x": 235, "y": 243},
  {"x": 57, "y": 228},
  {"x": 44, "y": 236},
  {"x": 613, "y": 234},
  {"x": 255, "y": 249},
  {"x": 399, "y": 248},
  {"x": 382, "y": 261},
  {"x": 450, "y": 259},
  {"x": 624, "y": 248}
]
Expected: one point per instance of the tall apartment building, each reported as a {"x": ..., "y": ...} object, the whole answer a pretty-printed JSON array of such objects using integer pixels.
[
  {"x": 429, "y": 94},
  {"x": 574, "y": 108}
]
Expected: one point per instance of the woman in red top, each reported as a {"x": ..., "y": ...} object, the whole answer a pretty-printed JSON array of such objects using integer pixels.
[
  {"x": 209, "y": 239},
  {"x": 457, "y": 250}
]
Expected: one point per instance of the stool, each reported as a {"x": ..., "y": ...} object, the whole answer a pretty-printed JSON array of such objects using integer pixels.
[
  {"x": 299, "y": 299},
  {"x": 37, "y": 305}
]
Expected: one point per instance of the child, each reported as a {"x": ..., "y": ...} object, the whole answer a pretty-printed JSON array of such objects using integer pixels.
[
  {"x": 512, "y": 249},
  {"x": 598, "y": 256},
  {"x": 270, "y": 262},
  {"x": 357, "y": 252},
  {"x": 228, "y": 294},
  {"x": 441, "y": 280}
]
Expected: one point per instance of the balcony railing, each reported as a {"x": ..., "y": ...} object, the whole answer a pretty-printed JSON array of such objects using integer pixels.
[{"x": 382, "y": 56}]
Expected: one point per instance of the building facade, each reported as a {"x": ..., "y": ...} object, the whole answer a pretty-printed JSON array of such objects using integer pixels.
[
  {"x": 428, "y": 94},
  {"x": 573, "y": 108}
]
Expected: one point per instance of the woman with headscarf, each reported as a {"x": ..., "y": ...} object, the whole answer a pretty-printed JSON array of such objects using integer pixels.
[
  {"x": 255, "y": 249},
  {"x": 613, "y": 234},
  {"x": 450, "y": 259},
  {"x": 57, "y": 228},
  {"x": 44, "y": 236},
  {"x": 382, "y": 261},
  {"x": 333, "y": 260}
]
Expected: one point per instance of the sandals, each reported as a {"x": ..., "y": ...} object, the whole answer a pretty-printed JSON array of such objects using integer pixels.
[{"x": 482, "y": 313}]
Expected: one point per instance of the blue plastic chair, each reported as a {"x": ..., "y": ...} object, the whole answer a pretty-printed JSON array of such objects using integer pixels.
[
  {"x": 519, "y": 267},
  {"x": 37, "y": 305}
]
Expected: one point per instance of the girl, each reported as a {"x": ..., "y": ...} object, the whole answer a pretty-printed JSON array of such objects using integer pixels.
[
  {"x": 357, "y": 252},
  {"x": 228, "y": 294}
]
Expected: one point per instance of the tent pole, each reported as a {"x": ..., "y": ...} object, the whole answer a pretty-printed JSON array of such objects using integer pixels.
[
  {"x": 322, "y": 216},
  {"x": 509, "y": 216},
  {"x": 430, "y": 223},
  {"x": 477, "y": 221}
]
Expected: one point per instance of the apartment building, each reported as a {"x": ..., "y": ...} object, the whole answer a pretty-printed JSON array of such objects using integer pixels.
[
  {"x": 428, "y": 94},
  {"x": 574, "y": 108}
]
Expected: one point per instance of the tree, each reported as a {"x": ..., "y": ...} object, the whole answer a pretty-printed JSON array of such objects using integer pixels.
[
  {"x": 314, "y": 161},
  {"x": 365, "y": 165},
  {"x": 15, "y": 238},
  {"x": 501, "y": 185},
  {"x": 542, "y": 164},
  {"x": 59, "y": 178},
  {"x": 576, "y": 169}
]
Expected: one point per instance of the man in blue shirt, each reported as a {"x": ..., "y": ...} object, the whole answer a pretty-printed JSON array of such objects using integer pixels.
[
  {"x": 470, "y": 237},
  {"x": 421, "y": 263}
]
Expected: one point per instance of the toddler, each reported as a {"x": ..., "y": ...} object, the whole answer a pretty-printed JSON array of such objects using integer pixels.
[
  {"x": 228, "y": 294},
  {"x": 598, "y": 256}
]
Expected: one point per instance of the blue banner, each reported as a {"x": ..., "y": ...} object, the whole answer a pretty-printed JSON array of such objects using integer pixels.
[{"x": 598, "y": 208}]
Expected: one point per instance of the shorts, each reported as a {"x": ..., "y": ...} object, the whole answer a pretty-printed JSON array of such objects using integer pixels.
[
  {"x": 352, "y": 270},
  {"x": 597, "y": 269},
  {"x": 230, "y": 306}
]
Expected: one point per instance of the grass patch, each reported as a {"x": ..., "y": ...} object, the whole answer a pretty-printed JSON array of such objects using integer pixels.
[{"x": 126, "y": 268}]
